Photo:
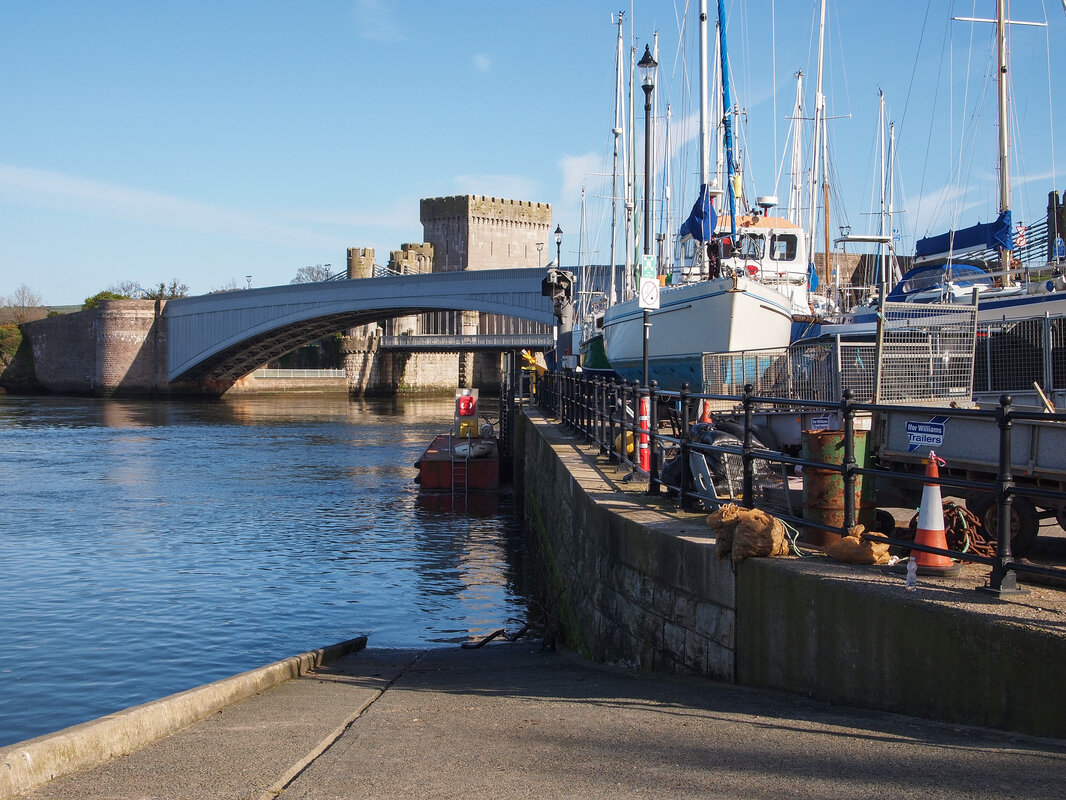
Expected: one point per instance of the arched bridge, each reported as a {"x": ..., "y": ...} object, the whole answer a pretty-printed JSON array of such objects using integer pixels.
[{"x": 220, "y": 337}]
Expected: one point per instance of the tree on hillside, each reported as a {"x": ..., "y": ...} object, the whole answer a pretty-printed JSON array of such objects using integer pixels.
[
  {"x": 165, "y": 292},
  {"x": 126, "y": 288},
  {"x": 315, "y": 274},
  {"x": 99, "y": 297},
  {"x": 24, "y": 305}
]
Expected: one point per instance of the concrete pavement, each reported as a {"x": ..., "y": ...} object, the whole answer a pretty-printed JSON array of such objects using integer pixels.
[{"x": 511, "y": 721}]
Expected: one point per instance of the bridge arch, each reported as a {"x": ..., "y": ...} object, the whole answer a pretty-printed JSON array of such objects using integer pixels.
[{"x": 218, "y": 338}]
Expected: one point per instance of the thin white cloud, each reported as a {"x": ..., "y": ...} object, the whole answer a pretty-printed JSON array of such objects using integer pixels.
[
  {"x": 576, "y": 171},
  {"x": 374, "y": 20},
  {"x": 482, "y": 62},
  {"x": 52, "y": 190}
]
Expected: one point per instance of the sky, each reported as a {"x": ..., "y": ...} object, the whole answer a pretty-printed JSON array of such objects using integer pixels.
[{"x": 230, "y": 143}]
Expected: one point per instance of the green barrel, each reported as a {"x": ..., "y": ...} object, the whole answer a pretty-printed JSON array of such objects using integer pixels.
[{"x": 823, "y": 487}]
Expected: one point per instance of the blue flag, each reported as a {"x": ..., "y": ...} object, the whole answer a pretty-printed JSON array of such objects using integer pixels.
[{"x": 703, "y": 220}]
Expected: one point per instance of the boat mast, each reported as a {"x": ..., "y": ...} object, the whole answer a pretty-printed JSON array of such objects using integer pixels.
[
  {"x": 819, "y": 134},
  {"x": 705, "y": 145},
  {"x": 727, "y": 110},
  {"x": 1004, "y": 159},
  {"x": 617, "y": 131},
  {"x": 795, "y": 192},
  {"x": 881, "y": 249}
]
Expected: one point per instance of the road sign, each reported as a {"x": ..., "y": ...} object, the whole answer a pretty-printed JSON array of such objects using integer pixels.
[{"x": 649, "y": 293}]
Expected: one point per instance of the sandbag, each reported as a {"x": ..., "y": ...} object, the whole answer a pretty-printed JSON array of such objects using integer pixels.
[
  {"x": 853, "y": 549},
  {"x": 758, "y": 534},
  {"x": 744, "y": 533},
  {"x": 723, "y": 521}
]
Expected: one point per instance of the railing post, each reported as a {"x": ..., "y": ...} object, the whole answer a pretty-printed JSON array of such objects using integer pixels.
[
  {"x": 1003, "y": 580},
  {"x": 684, "y": 400},
  {"x": 749, "y": 471},
  {"x": 597, "y": 404},
  {"x": 847, "y": 467},
  {"x": 653, "y": 438},
  {"x": 612, "y": 404},
  {"x": 634, "y": 422}
]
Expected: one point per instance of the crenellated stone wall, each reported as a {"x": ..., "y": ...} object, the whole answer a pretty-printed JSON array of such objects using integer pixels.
[{"x": 477, "y": 232}]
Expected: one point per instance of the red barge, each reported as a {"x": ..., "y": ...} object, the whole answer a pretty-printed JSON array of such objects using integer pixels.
[{"x": 467, "y": 458}]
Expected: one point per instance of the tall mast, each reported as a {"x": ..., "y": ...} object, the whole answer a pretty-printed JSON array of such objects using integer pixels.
[
  {"x": 1004, "y": 159},
  {"x": 819, "y": 133},
  {"x": 795, "y": 192},
  {"x": 705, "y": 145},
  {"x": 617, "y": 131},
  {"x": 727, "y": 110},
  {"x": 884, "y": 207}
]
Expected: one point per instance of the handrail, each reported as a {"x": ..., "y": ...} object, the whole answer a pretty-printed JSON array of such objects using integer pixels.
[{"x": 606, "y": 412}]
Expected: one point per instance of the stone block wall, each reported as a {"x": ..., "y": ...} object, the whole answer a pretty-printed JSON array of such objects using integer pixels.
[
  {"x": 477, "y": 232},
  {"x": 118, "y": 348},
  {"x": 622, "y": 592}
]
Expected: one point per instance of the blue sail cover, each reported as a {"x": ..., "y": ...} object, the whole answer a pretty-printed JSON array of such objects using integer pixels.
[
  {"x": 703, "y": 220},
  {"x": 985, "y": 235}
]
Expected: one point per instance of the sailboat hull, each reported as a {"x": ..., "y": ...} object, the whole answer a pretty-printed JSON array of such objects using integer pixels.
[{"x": 706, "y": 317}]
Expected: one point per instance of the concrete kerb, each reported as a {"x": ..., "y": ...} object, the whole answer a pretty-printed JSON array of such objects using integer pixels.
[{"x": 28, "y": 764}]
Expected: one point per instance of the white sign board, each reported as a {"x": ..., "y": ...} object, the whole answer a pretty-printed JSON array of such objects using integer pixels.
[{"x": 649, "y": 293}]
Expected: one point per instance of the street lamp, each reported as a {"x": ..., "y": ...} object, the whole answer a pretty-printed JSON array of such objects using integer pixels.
[
  {"x": 647, "y": 65},
  {"x": 540, "y": 247},
  {"x": 558, "y": 247}
]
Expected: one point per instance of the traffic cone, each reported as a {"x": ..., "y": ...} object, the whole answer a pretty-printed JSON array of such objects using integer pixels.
[
  {"x": 931, "y": 527},
  {"x": 705, "y": 412},
  {"x": 645, "y": 427}
]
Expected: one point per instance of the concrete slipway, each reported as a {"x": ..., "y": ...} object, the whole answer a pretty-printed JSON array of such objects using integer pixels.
[{"x": 513, "y": 720}]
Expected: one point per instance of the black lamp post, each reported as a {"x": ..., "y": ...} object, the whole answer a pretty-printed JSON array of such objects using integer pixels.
[
  {"x": 647, "y": 64},
  {"x": 558, "y": 247}
]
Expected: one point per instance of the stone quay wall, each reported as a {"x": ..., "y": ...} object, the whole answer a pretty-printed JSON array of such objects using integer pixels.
[
  {"x": 117, "y": 348},
  {"x": 628, "y": 581}
]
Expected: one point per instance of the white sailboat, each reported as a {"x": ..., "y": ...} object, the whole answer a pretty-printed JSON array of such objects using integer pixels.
[
  {"x": 751, "y": 283},
  {"x": 974, "y": 264}
]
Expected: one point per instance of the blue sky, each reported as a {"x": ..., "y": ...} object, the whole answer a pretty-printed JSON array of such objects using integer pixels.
[{"x": 146, "y": 141}]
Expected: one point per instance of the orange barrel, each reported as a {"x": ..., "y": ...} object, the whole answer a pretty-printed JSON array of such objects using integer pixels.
[{"x": 823, "y": 487}]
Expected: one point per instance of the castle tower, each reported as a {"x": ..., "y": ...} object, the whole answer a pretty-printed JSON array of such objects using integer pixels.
[{"x": 477, "y": 232}]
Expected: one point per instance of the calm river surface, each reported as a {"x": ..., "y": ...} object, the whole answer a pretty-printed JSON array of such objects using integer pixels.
[{"x": 149, "y": 547}]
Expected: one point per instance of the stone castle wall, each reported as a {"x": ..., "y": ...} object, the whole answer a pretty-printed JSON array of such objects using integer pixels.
[
  {"x": 118, "y": 348},
  {"x": 477, "y": 232}
]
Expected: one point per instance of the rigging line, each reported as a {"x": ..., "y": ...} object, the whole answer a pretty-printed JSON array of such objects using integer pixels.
[
  {"x": 773, "y": 78},
  {"x": 929, "y": 132},
  {"x": 1050, "y": 105}
]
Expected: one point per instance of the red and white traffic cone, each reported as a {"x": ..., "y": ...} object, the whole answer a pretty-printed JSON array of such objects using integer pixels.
[
  {"x": 931, "y": 531},
  {"x": 705, "y": 412},
  {"x": 645, "y": 427}
]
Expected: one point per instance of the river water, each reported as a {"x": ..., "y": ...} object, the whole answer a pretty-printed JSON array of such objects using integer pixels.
[{"x": 150, "y": 547}]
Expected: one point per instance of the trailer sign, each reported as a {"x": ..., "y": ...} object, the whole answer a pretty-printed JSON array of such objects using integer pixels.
[{"x": 925, "y": 434}]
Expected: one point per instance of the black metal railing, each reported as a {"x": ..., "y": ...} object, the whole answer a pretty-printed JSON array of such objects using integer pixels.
[{"x": 639, "y": 427}]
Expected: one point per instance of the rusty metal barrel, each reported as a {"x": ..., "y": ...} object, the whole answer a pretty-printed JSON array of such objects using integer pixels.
[{"x": 823, "y": 487}]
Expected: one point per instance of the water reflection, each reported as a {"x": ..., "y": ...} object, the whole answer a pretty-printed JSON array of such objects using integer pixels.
[{"x": 201, "y": 539}]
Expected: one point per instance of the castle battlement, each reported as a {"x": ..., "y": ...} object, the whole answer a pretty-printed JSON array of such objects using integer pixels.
[{"x": 480, "y": 232}]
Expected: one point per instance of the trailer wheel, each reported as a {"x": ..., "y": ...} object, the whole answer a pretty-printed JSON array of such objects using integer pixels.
[{"x": 1024, "y": 522}]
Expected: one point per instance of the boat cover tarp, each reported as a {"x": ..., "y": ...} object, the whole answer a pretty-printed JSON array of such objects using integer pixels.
[
  {"x": 983, "y": 235},
  {"x": 931, "y": 276},
  {"x": 703, "y": 219}
]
